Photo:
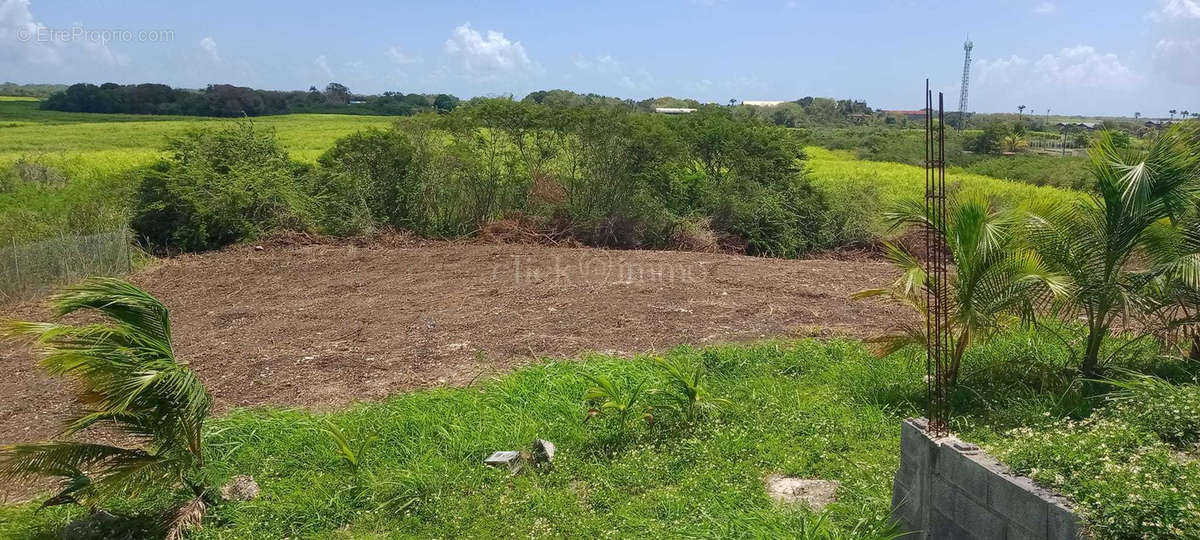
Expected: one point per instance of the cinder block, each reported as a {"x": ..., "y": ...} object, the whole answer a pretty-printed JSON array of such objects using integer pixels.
[
  {"x": 983, "y": 523},
  {"x": 943, "y": 527},
  {"x": 908, "y": 471},
  {"x": 943, "y": 496},
  {"x": 963, "y": 472},
  {"x": 906, "y": 511},
  {"x": 1017, "y": 499},
  {"x": 915, "y": 444},
  {"x": 1062, "y": 523},
  {"x": 1017, "y": 532}
]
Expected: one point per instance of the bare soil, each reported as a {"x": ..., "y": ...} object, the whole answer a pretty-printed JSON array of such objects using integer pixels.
[{"x": 323, "y": 325}]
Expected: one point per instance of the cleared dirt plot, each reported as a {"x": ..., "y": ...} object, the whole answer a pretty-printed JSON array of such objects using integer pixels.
[{"x": 322, "y": 325}]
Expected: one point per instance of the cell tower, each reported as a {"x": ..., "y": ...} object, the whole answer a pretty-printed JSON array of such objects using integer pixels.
[{"x": 966, "y": 81}]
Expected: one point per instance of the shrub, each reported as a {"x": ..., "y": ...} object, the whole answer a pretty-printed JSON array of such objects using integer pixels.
[
  {"x": 379, "y": 163},
  {"x": 605, "y": 175},
  {"x": 1168, "y": 410},
  {"x": 220, "y": 186},
  {"x": 777, "y": 223},
  {"x": 1126, "y": 482},
  {"x": 686, "y": 392}
]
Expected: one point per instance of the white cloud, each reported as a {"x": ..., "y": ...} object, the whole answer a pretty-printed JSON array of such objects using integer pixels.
[
  {"x": 1083, "y": 66},
  {"x": 210, "y": 46},
  {"x": 1045, "y": 8},
  {"x": 1174, "y": 10},
  {"x": 322, "y": 64},
  {"x": 612, "y": 69},
  {"x": 1071, "y": 69},
  {"x": 487, "y": 54},
  {"x": 398, "y": 56},
  {"x": 25, "y": 42},
  {"x": 601, "y": 64},
  {"x": 1177, "y": 60}
]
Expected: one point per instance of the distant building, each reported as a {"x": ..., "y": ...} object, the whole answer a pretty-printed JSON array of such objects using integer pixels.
[
  {"x": 763, "y": 103},
  {"x": 918, "y": 114},
  {"x": 357, "y": 101},
  {"x": 1089, "y": 126},
  {"x": 673, "y": 110}
]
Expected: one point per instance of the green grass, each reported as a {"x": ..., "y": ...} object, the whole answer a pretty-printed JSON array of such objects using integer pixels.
[
  {"x": 82, "y": 143},
  {"x": 92, "y": 153},
  {"x": 807, "y": 408},
  {"x": 863, "y": 190}
]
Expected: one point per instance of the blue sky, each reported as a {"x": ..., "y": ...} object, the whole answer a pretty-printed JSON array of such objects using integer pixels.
[{"x": 1071, "y": 56}]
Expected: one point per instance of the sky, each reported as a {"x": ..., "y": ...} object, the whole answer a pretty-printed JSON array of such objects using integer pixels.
[{"x": 1090, "y": 57}]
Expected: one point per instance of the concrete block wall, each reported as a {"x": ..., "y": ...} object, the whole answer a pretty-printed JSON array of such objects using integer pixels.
[{"x": 948, "y": 489}]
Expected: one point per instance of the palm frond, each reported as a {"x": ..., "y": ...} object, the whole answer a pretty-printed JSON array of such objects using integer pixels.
[
  {"x": 61, "y": 459},
  {"x": 127, "y": 378},
  {"x": 903, "y": 335},
  {"x": 184, "y": 517}
]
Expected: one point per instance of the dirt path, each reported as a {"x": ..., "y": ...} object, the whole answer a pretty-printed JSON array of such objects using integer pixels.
[{"x": 325, "y": 325}]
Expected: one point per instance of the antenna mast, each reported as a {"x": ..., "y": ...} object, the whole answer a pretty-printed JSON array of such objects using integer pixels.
[{"x": 966, "y": 81}]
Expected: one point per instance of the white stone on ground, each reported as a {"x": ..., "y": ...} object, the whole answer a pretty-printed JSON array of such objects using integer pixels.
[{"x": 814, "y": 493}]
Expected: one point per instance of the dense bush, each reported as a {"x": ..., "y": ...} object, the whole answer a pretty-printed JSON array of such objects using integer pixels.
[
  {"x": 218, "y": 187},
  {"x": 603, "y": 174}
]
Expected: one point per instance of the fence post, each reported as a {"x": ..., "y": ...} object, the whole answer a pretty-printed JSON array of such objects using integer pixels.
[
  {"x": 16, "y": 264},
  {"x": 126, "y": 238}
]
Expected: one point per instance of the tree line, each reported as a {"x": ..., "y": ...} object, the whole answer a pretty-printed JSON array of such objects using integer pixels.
[{"x": 226, "y": 100}]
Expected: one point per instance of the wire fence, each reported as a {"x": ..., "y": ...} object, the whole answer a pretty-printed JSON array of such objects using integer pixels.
[
  {"x": 30, "y": 269},
  {"x": 1066, "y": 145}
]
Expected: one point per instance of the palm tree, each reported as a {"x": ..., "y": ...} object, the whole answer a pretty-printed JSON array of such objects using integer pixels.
[
  {"x": 1172, "y": 111},
  {"x": 1094, "y": 241},
  {"x": 993, "y": 282},
  {"x": 129, "y": 380},
  {"x": 1020, "y": 110},
  {"x": 1014, "y": 142},
  {"x": 1137, "y": 115}
]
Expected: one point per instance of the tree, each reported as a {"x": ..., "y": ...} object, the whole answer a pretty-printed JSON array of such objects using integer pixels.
[
  {"x": 991, "y": 141},
  {"x": 445, "y": 103},
  {"x": 993, "y": 282},
  {"x": 1137, "y": 115},
  {"x": 1021, "y": 110},
  {"x": 1172, "y": 111},
  {"x": 337, "y": 93},
  {"x": 1095, "y": 242},
  {"x": 1014, "y": 142},
  {"x": 128, "y": 380}
]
